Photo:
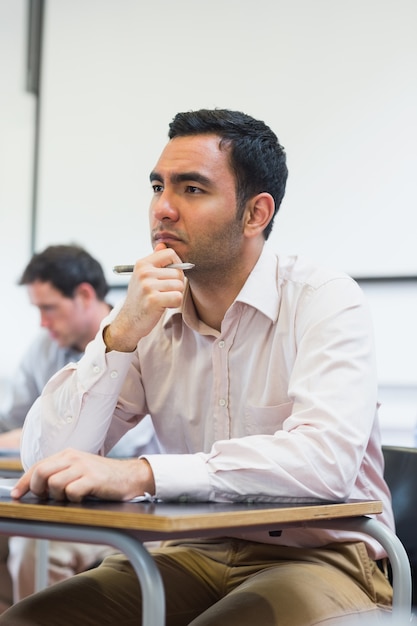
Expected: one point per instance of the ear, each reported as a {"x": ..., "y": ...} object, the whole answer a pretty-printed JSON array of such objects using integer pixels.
[
  {"x": 86, "y": 293},
  {"x": 259, "y": 212}
]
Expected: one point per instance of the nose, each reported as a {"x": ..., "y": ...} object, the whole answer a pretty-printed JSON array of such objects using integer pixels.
[
  {"x": 44, "y": 321},
  {"x": 164, "y": 207}
]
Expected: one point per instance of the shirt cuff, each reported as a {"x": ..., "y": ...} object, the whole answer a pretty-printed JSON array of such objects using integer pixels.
[
  {"x": 106, "y": 371},
  {"x": 191, "y": 477}
]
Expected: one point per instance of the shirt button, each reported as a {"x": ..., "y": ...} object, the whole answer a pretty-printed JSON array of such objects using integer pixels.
[
  {"x": 221, "y": 344},
  {"x": 113, "y": 374},
  {"x": 96, "y": 369},
  {"x": 68, "y": 419},
  {"x": 222, "y": 402}
]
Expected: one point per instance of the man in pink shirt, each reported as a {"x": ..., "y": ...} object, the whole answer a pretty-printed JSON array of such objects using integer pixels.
[{"x": 258, "y": 371}]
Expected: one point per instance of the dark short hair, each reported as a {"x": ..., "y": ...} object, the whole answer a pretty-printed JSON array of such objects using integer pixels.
[
  {"x": 66, "y": 267},
  {"x": 256, "y": 156}
]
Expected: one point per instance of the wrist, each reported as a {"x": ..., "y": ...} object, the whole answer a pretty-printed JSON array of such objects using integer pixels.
[
  {"x": 117, "y": 340},
  {"x": 141, "y": 480},
  {"x": 147, "y": 477}
]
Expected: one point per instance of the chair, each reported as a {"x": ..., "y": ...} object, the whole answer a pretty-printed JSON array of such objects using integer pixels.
[{"x": 401, "y": 476}]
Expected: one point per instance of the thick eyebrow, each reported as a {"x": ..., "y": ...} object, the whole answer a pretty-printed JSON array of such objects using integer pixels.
[{"x": 194, "y": 177}]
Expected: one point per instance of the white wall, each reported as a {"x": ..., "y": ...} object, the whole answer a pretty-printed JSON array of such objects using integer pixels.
[
  {"x": 394, "y": 312},
  {"x": 337, "y": 80},
  {"x": 17, "y": 320}
]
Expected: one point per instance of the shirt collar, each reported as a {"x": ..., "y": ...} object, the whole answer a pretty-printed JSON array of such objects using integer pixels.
[
  {"x": 259, "y": 291},
  {"x": 261, "y": 288},
  {"x": 72, "y": 354}
]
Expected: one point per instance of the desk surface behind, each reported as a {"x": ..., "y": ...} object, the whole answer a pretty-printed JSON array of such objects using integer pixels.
[{"x": 10, "y": 465}]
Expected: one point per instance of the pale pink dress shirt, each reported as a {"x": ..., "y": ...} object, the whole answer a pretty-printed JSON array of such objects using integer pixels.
[{"x": 281, "y": 405}]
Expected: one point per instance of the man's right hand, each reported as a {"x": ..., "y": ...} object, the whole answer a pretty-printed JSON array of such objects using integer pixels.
[{"x": 153, "y": 288}]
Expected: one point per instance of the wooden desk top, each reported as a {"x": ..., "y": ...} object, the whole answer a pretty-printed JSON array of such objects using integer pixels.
[
  {"x": 181, "y": 518},
  {"x": 10, "y": 464}
]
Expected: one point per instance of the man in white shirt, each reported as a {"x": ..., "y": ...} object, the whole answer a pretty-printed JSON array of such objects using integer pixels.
[
  {"x": 69, "y": 288},
  {"x": 259, "y": 374}
]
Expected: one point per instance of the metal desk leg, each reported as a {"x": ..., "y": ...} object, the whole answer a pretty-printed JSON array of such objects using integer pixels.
[
  {"x": 41, "y": 565},
  {"x": 153, "y": 595},
  {"x": 400, "y": 564}
]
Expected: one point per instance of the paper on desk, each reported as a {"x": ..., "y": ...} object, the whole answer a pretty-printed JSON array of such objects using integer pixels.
[
  {"x": 6, "y": 485},
  {"x": 145, "y": 498}
]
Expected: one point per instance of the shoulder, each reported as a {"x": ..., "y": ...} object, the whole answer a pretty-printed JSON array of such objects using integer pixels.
[
  {"x": 307, "y": 275},
  {"x": 313, "y": 290},
  {"x": 319, "y": 297},
  {"x": 299, "y": 269},
  {"x": 42, "y": 343}
]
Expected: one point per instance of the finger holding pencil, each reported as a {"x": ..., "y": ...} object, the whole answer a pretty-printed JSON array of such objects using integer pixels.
[{"x": 149, "y": 294}]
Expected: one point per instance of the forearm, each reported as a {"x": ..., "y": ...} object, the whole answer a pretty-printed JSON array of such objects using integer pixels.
[{"x": 76, "y": 406}]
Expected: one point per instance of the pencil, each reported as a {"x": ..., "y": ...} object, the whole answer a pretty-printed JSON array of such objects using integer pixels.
[{"x": 128, "y": 269}]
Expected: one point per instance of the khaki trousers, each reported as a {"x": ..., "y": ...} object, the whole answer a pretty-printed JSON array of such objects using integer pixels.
[
  {"x": 18, "y": 559},
  {"x": 223, "y": 582},
  {"x": 64, "y": 560}
]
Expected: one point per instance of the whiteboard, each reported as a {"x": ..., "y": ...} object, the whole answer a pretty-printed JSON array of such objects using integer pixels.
[{"x": 336, "y": 80}]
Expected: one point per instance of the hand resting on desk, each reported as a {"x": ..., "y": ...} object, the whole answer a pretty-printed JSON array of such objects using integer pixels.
[{"x": 74, "y": 475}]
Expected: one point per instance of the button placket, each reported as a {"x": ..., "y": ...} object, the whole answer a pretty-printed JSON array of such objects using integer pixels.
[{"x": 221, "y": 420}]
